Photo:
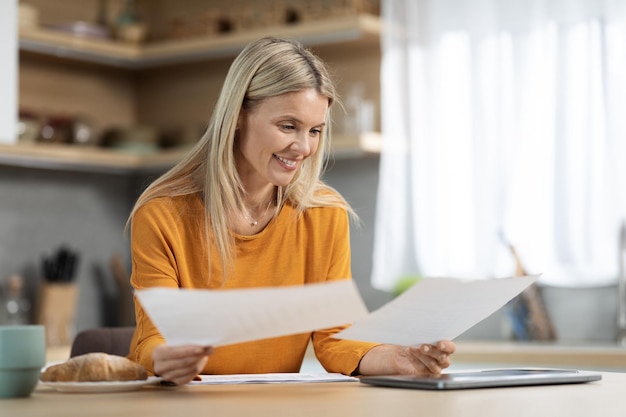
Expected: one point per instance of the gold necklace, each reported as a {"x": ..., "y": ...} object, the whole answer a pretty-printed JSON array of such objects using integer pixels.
[{"x": 252, "y": 221}]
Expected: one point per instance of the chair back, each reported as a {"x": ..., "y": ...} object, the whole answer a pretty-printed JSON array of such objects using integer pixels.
[{"x": 111, "y": 340}]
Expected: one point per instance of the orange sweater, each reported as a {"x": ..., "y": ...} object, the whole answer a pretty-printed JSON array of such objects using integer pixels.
[{"x": 166, "y": 247}]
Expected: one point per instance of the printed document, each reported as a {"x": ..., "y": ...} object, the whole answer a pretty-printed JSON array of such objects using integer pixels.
[
  {"x": 436, "y": 309},
  {"x": 279, "y": 378},
  {"x": 433, "y": 309},
  {"x": 223, "y": 317}
]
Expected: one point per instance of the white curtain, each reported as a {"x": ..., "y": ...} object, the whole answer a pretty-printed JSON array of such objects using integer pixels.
[{"x": 503, "y": 121}]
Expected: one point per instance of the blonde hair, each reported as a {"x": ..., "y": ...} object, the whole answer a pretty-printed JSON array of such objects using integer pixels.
[{"x": 265, "y": 68}]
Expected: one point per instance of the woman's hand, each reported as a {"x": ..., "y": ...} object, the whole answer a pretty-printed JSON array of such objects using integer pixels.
[
  {"x": 407, "y": 360},
  {"x": 179, "y": 364}
]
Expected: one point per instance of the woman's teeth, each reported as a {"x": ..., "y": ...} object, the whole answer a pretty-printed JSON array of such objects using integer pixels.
[{"x": 285, "y": 161}]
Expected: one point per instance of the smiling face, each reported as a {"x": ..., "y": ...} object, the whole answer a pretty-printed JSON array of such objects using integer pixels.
[{"x": 277, "y": 135}]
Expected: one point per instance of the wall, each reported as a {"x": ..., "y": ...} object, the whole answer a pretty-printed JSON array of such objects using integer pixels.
[
  {"x": 101, "y": 96},
  {"x": 41, "y": 210}
]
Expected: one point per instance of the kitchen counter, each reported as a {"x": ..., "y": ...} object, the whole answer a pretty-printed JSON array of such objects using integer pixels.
[
  {"x": 559, "y": 354},
  {"x": 492, "y": 354}
]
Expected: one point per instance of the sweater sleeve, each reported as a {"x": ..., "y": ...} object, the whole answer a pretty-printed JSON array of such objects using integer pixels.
[{"x": 153, "y": 264}]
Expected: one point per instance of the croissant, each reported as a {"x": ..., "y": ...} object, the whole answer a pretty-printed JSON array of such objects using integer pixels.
[{"x": 92, "y": 367}]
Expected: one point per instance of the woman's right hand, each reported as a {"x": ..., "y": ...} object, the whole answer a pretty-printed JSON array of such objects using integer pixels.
[{"x": 179, "y": 364}]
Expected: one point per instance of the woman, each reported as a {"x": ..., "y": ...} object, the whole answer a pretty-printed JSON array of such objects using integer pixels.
[{"x": 247, "y": 208}]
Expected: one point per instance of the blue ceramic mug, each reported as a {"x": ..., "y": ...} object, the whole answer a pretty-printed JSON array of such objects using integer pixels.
[{"x": 22, "y": 355}]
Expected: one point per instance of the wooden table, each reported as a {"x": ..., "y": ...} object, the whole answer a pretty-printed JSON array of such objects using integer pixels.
[{"x": 604, "y": 398}]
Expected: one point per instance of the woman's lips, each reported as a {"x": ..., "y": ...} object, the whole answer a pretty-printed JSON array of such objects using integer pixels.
[{"x": 287, "y": 163}]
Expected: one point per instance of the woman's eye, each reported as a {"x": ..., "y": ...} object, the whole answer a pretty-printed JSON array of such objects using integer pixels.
[
  {"x": 316, "y": 131},
  {"x": 288, "y": 127}
]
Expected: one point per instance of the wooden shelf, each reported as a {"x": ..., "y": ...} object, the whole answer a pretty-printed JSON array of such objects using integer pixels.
[
  {"x": 100, "y": 160},
  {"x": 343, "y": 33},
  {"x": 86, "y": 159},
  {"x": 359, "y": 29}
]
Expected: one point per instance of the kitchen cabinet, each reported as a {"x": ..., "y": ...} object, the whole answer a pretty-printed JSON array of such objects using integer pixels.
[{"x": 173, "y": 82}]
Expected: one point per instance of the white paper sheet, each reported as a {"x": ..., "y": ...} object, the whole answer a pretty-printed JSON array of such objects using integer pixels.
[
  {"x": 280, "y": 378},
  {"x": 223, "y": 317},
  {"x": 436, "y": 309}
]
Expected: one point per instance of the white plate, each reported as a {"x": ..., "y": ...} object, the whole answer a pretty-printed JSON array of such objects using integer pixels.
[{"x": 106, "y": 386}]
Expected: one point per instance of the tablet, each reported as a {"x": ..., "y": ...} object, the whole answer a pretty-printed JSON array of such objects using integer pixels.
[{"x": 484, "y": 379}]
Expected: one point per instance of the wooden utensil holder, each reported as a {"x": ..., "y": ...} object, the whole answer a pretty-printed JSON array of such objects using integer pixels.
[{"x": 57, "y": 310}]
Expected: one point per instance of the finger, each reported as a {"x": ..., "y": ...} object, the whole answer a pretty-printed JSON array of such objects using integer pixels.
[
  {"x": 446, "y": 346},
  {"x": 162, "y": 367},
  {"x": 422, "y": 363},
  {"x": 429, "y": 359},
  {"x": 165, "y": 357},
  {"x": 181, "y": 376},
  {"x": 436, "y": 353},
  {"x": 165, "y": 365},
  {"x": 179, "y": 352},
  {"x": 168, "y": 361}
]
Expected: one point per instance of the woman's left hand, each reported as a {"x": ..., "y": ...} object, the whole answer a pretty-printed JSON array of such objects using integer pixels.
[{"x": 407, "y": 360}]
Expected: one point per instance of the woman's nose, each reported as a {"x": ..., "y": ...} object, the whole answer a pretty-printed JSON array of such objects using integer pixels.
[{"x": 302, "y": 144}]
